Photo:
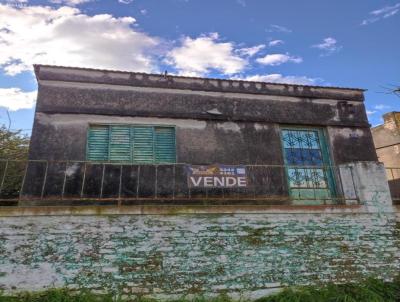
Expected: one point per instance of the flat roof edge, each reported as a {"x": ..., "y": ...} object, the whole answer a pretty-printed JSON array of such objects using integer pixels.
[{"x": 104, "y": 76}]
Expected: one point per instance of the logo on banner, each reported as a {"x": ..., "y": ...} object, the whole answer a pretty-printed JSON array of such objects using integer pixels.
[{"x": 216, "y": 176}]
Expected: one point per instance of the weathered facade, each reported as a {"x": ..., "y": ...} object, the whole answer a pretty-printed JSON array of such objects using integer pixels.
[
  {"x": 247, "y": 130},
  {"x": 106, "y": 136},
  {"x": 195, "y": 121}
]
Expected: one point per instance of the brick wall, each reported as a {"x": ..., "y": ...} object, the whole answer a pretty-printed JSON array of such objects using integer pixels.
[{"x": 193, "y": 253}]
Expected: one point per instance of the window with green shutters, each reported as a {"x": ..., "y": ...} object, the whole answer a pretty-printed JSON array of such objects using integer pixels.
[
  {"x": 97, "y": 147},
  {"x": 136, "y": 144},
  {"x": 164, "y": 146}
]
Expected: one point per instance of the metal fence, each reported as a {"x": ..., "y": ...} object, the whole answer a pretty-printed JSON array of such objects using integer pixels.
[
  {"x": 58, "y": 182},
  {"x": 393, "y": 176}
]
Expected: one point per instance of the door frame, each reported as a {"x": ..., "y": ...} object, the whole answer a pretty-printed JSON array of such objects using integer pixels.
[{"x": 326, "y": 157}]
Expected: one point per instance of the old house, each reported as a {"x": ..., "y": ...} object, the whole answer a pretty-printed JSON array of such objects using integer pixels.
[
  {"x": 108, "y": 134},
  {"x": 163, "y": 186}
]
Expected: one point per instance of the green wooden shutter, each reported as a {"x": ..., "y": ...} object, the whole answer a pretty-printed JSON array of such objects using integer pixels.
[
  {"x": 97, "y": 147},
  {"x": 143, "y": 146},
  {"x": 164, "y": 144},
  {"x": 120, "y": 147}
]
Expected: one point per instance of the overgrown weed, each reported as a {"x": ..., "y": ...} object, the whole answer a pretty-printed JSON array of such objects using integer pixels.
[{"x": 371, "y": 290}]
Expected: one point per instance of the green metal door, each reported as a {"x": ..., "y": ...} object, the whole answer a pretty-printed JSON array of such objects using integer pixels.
[{"x": 308, "y": 169}]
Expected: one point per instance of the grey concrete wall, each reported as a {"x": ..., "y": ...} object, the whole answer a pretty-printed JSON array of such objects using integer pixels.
[
  {"x": 63, "y": 137},
  {"x": 106, "y": 99},
  {"x": 349, "y": 144},
  {"x": 367, "y": 182}
]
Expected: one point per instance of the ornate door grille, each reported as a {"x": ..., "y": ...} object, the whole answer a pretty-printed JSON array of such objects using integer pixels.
[{"x": 308, "y": 171}]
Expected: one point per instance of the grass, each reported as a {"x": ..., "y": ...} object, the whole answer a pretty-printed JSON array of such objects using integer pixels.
[{"x": 371, "y": 290}]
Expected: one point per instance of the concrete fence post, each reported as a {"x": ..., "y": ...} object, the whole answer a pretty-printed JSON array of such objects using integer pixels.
[{"x": 367, "y": 182}]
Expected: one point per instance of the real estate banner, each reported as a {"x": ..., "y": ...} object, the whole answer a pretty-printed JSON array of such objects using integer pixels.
[{"x": 216, "y": 176}]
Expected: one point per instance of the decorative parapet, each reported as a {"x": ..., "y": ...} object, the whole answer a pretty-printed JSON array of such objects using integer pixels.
[{"x": 86, "y": 75}]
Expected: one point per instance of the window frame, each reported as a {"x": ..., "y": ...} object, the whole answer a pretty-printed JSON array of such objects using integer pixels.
[{"x": 109, "y": 125}]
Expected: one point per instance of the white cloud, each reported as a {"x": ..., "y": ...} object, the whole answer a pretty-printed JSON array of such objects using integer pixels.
[
  {"x": 278, "y": 59},
  {"x": 125, "y": 1},
  {"x": 279, "y": 78},
  {"x": 275, "y": 42},
  {"x": 250, "y": 51},
  {"x": 328, "y": 46},
  {"x": 70, "y": 2},
  {"x": 382, "y": 13},
  {"x": 197, "y": 57},
  {"x": 370, "y": 112},
  {"x": 328, "y": 43},
  {"x": 143, "y": 11},
  {"x": 65, "y": 36},
  {"x": 15, "y": 99},
  {"x": 381, "y": 107},
  {"x": 278, "y": 28}
]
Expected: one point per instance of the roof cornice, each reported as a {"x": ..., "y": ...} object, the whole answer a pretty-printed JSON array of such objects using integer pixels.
[{"x": 138, "y": 79}]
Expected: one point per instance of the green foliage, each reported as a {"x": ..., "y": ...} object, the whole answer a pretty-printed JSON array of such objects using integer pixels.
[
  {"x": 58, "y": 295},
  {"x": 371, "y": 290},
  {"x": 13, "y": 147},
  {"x": 64, "y": 295}
]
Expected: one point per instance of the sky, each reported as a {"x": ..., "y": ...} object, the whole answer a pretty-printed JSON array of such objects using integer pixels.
[{"x": 312, "y": 42}]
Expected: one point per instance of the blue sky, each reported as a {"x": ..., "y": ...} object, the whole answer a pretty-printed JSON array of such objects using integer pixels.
[{"x": 316, "y": 42}]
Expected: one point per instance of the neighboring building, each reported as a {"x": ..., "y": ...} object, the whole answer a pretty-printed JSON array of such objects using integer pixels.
[
  {"x": 387, "y": 139},
  {"x": 387, "y": 144},
  {"x": 143, "y": 124}
]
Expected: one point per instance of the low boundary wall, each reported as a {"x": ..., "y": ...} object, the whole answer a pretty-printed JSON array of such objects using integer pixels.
[{"x": 159, "y": 254}]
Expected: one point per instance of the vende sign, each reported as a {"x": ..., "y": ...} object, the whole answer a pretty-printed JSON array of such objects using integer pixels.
[{"x": 216, "y": 176}]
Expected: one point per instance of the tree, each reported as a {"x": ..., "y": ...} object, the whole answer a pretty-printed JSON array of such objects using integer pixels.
[
  {"x": 13, "y": 144},
  {"x": 14, "y": 148}
]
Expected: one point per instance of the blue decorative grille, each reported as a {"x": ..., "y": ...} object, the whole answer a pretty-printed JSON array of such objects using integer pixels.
[{"x": 307, "y": 167}]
